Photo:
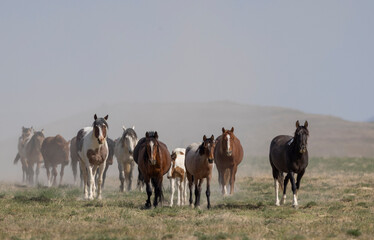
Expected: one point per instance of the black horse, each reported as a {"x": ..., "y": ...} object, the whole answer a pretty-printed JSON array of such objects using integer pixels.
[{"x": 289, "y": 155}]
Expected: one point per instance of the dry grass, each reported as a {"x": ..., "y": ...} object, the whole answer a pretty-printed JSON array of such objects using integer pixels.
[{"x": 335, "y": 203}]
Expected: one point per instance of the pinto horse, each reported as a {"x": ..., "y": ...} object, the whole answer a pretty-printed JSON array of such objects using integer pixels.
[
  {"x": 199, "y": 165},
  {"x": 123, "y": 150},
  {"x": 34, "y": 156},
  {"x": 228, "y": 154},
  {"x": 289, "y": 155},
  {"x": 93, "y": 152},
  {"x": 177, "y": 174},
  {"x": 154, "y": 162}
]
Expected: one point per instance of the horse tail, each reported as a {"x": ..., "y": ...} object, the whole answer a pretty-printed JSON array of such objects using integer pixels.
[{"x": 18, "y": 157}]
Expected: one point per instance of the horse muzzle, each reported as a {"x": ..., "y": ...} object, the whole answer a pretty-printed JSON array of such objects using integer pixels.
[
  {"x": 152, "y": 161},
  {"x": 303, "y": 150},
  {"x": 210, "y": 160},
  {"x": 229, "y": 153}
]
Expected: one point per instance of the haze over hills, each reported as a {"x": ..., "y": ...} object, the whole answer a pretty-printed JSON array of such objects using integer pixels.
[{"x": 180, "y": 124}]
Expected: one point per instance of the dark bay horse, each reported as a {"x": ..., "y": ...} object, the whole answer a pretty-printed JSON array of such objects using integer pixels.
[
  {"x": 93, "y": 152},
  {"x": 154, "y": 162},
  {"x": 289, "y": 155},
  {"x": 199, "y": 165},
  {"x": 228, "y": 154},
  {"x": 55, "y": 150}
]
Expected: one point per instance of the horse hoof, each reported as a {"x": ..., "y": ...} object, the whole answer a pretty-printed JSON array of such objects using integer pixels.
[
  {"x": 277, "y": 204},
  {"x": 295, "y": 206}
]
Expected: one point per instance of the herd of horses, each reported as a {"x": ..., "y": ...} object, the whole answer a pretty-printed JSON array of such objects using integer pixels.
[{"x": 94, "y": 151}]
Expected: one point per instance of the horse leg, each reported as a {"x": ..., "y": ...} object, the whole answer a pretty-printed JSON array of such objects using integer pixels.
[
  {"x": 48, "y": 175},
  {"x": 74, "y": 167},
  {"x": 294, "y": 203},
  {"x": 198, "y": 187},
  {"x": 31, "y": 174},
  {"x": 208, "y": 190},
  {"x": 140, "y": 181},
  {"x": 37, "y": 173},
  {"x": 104, "y": 175},
  {"x": 149, "y": 193},
  {"x": 90, "y": 182},
  {"x": 180, "y": 189},
  {"x": 130, "y": 176},
  {"x": 172, "y": 182},
  {"x": 190, "y": 185},
  {"x": 54, "y": 174},
  {"x": 61, "y": 173},
  {"x": 299, "y": 176},
  {"x": 232, "y": 178},
  {"x": 184, "y": 190},
  {"x": 84, "y": 177},
  {"x": 286, "y": 179},
  {"x": 24, "y": 169},
  {"x": 121, "y": 176},
  {"x": 100, "y": 184}
]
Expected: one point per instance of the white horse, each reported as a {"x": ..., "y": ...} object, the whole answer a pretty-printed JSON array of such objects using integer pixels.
[
  {"x": 93, "y": 152},
  {"x": 23, "y": 140},
  {"x": 123, "y": 150},
  {"x": 177, "y": 174}
]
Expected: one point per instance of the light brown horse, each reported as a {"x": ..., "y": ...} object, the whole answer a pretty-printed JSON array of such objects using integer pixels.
[
  {"x": 34, "y": 156},
  {"x": 199, "y": 165},
  {"x": 154, "y": 162},
  {"x": 228, "y": 155},
  {"x": 55, "y": 150}
]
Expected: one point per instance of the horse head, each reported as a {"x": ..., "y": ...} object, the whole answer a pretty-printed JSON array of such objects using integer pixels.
[
  {"x": 27, "y": 132},
  {"x": 100, "y": 127},
  {"x": 301, "y": 136},
  {"x": 152, "y": 146},
  {"x": 129, "y": 138},
  {"x": 228, "y": 140},
  {"x": 207, "y": 148}
]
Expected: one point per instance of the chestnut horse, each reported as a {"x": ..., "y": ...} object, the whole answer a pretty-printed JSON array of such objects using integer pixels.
[
  {"x": 154, "y": 162},
  {"x": 228, "y": 154},
  {"x": 289, "y": 155},
  {"x": 124, "y": 148},
  {"x": 93, "y": 152},
  {"x": 34, "y": 156},
  {"x": 55, "y": 150},
  {"x": 199, "y": 164}
]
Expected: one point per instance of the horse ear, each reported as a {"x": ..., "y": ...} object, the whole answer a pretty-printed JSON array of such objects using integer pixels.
[
  {"x": 204, "y": 138},
  {"x": 232, "y": 129},
  {"x": 306, "y": 124},
  {"x": 106, "y": 117},
  {"x": 133, "y": 127},
  {"x": 297, "y": 124},
  {"x": 42, "y": 130},
  {"x": 212, "y": 137},
  {"x": 223, "y": 130},
  {"x": 23, "y": 128},
  {"x": 147, "y": 135},
  {"x": 156, "y": 135},
  {"x": 124, "y": 128},
  {"x": 95, "y": 117}
]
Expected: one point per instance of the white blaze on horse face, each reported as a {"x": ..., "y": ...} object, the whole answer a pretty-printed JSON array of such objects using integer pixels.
[
  {"x": 228, "y": 142},
  {"x": 151, "y": 144}
]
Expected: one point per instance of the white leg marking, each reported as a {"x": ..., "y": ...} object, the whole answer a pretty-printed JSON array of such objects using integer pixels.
[
  {"x": 172, "y": 182},
  {"x": 276, "y": 186},
  {"x": 294, "y": 203}
]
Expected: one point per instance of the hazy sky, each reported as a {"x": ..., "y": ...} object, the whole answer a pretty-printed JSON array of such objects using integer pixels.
[{"x": 58, "y": 58}]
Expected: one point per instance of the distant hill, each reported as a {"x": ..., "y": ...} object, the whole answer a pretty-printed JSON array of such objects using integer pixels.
[
  {"x": 370, "y": 119},
  {"x": 180, "y": 124}
]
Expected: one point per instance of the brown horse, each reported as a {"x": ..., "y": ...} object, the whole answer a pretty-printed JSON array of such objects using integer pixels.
[
  {"x": 199, "y": 165},
  {"x": 55, "y": 150},
  {"x": 289, "y": 155},
  {"x": 154, "y": 162},
  {"x": 34, "y": 156},
  {"x": 228, "y": 154}
]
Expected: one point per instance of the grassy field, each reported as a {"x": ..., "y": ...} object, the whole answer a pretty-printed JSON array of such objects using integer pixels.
[{"x": 336, "y": 202}]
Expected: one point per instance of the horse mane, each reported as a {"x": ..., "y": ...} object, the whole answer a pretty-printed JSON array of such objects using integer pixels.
[
  {"x": 100, "y": 121},
  {"x": 201, "y": 149},
  {"x": 129, "y": 132}
]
